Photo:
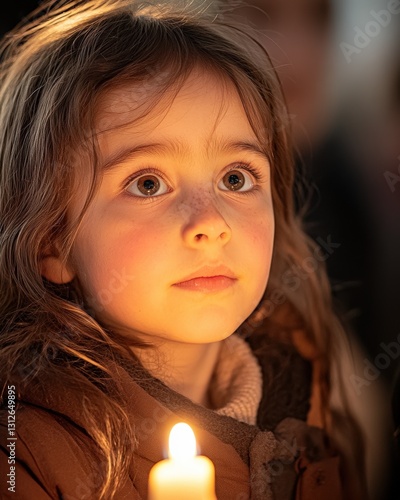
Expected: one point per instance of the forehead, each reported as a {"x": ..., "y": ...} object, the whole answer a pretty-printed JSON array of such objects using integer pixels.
[{"x": 208, "y": 101}]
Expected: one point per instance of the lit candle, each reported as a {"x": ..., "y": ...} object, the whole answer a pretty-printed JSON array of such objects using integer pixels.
[{"x": 184, "y": 475}]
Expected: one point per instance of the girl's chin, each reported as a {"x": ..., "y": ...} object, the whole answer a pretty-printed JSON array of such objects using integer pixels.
[{"x": 210, "y": 326}]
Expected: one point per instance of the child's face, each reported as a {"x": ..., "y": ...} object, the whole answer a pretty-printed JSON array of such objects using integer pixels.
[{"x": 164, "y": 213}]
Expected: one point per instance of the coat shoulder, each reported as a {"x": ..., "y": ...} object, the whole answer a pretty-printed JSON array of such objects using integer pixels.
[{"x": 49, "y": 451}]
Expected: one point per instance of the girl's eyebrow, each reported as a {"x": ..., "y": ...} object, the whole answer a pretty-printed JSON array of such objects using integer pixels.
[{"x": 177, "y": 148}]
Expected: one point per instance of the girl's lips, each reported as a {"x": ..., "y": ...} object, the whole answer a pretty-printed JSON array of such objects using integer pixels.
[{"x": 207, "y": 284}]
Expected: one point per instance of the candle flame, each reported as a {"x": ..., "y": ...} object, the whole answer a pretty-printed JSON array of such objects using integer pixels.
[{"x": 182, "y": 442}]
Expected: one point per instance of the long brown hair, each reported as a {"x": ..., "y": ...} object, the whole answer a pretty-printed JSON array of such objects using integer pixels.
[{"x": 54, "y": 72}]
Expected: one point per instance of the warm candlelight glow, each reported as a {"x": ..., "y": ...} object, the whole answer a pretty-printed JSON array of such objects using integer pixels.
[
  {"x": 184, "y": 475},
  {"x": 182, "y": 443}
]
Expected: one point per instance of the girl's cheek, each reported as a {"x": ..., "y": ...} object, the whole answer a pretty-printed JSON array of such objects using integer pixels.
[
  {"x": 259, "y": 235},
  {"x": 259, "y": 226}
]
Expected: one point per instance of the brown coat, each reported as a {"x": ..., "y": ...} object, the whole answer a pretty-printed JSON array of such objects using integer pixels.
[{"x": 55, "y": 461}]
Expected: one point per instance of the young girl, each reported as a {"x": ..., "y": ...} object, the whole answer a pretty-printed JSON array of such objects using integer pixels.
[{"x": 152, "y": 270}]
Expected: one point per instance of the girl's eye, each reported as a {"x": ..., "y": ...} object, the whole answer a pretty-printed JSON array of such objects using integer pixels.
[
  {"x": 236, "y": 180},
  {"x": 147, "y": 185}
]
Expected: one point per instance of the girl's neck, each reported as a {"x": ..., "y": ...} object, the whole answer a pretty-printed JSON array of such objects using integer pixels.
[{"x": 185, "y": 368}]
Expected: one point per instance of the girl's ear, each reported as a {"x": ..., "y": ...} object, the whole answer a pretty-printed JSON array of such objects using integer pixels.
[{"x": 54, "y": 269}]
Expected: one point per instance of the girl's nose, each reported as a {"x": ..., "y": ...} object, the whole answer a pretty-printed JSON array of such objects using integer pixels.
[{"x": 206, "y": 227}]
